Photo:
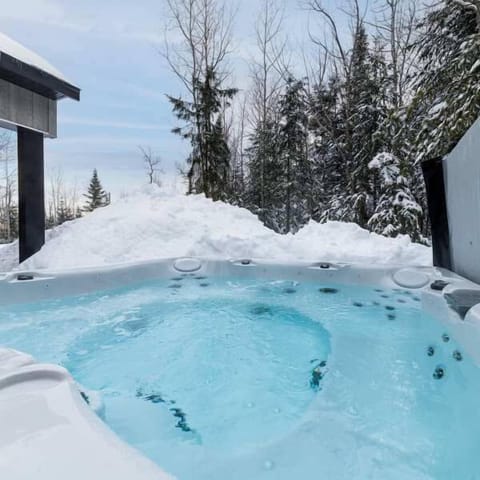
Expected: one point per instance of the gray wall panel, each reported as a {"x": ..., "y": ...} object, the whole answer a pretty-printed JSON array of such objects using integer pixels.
[
  {"x": 21, "y": 107},
  {"x": 462, "y": 184}
]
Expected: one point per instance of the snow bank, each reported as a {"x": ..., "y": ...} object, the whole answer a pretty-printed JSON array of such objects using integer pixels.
[{"x": 150, "y": 224}]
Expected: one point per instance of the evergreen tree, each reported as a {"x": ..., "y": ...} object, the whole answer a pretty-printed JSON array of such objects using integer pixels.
[
  {"x": 96, "y": 196},
  {"x": 366, "y": 109},
  {"x": 237, "y": 179},
  {"x": 13, "y": 219},
  {"x": 329, "y": 169},
  {"x": 397, "y": 211},
  {"x": 295, "y": 182},
  {"x": 50, "y": 222},
  {"x": 219, "y": 167},
  {"x": 447, "y": 88},
  {"x": 209, "y": 159},
  {"x": 347, "y": 114},
  {"x": 263, "y": 196},
  {"x": 64, "y": 212}
]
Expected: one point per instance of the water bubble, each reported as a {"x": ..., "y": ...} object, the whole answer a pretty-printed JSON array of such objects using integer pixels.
[
  {"x": 268, "y": 465},
  {"x": 431, "y": 351},
  {"x": 446, "y": 337}
]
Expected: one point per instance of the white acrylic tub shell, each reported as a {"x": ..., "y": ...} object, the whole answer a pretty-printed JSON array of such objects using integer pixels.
[
  {"x": 47, "y": 429},
  {"x": 49, "y": 432}
]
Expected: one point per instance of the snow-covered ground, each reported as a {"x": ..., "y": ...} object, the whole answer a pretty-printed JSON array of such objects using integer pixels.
[{"x": 150, "y": 224}]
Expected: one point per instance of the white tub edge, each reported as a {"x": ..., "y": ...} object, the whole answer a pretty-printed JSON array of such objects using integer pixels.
[
  {"x": 70, "y": 441},
  {"x": 49, "y": 432}
]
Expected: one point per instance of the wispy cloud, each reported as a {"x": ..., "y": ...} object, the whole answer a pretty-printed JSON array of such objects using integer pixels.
[
  {"x": 90, "y": 122},
  {"x": 86, "y": 17},
  {"x": 111, "y": 49}
]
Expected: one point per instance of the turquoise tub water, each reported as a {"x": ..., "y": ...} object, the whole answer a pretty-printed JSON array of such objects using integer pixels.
[{"x": 229, "y": 378}]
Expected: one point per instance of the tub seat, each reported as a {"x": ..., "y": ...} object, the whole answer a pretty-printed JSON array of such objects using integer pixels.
[{"x": 49, "y": 432}]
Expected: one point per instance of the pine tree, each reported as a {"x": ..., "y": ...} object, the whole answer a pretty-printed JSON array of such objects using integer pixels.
[
  {"x": 64, "y": 212},
  {"x": 263, "y": 197},
  {"x": 237, "y": 180},
  {"x": 364, "y": 94},
  {"x": 96, "y": 196},
  {"x": 328, "y": 163},
  {"x": 13, "y": 219},
  {"x": 397, "y": 211},
  {"x": 347, "y": 114},
  {"x": 219, "y": 171},
  {"x": 208, "y": 161},
  {"x": 292, "y": 138},
  {"x": 447, "y": 98}
]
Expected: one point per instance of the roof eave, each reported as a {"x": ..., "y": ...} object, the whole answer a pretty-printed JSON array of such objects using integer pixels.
[{"x": 36, "y": 80}]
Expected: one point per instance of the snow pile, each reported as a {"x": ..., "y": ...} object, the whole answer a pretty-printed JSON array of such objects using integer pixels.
[{"x": 151, "y": 224}]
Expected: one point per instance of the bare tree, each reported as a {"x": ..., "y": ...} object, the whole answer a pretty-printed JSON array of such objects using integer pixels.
[
  {"x": 63, "y": 201},
  {"x": 152, "y": 164},
  {"x": 203, "y": 30},
  {"x": 56, "y": 191},
  {"x": 7, "y": 189},
  {"x": 269, "y": 69},
  {"x": 396, "y": 29},
  {"x": 334, "y": 44},
  {"x": 336, "y": 52},
  {"x": 236, "y": 129}
]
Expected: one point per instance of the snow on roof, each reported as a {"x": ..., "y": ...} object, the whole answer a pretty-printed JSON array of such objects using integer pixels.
[{"x": 18, "y": 51}]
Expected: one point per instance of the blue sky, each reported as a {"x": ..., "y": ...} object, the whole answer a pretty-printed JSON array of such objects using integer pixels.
[{"x": 109, "y": 48}]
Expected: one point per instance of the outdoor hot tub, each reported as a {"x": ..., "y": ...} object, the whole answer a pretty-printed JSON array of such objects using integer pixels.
[{"x": 205, "y": 369}]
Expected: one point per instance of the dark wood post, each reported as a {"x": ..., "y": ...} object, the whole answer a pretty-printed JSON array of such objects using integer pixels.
[
  {"x": 437, "y": 208},
  {"x": 31, "y": 192}
]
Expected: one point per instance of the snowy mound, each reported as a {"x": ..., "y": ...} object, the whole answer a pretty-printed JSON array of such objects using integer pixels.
[{"x": 150, "y": 224}]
